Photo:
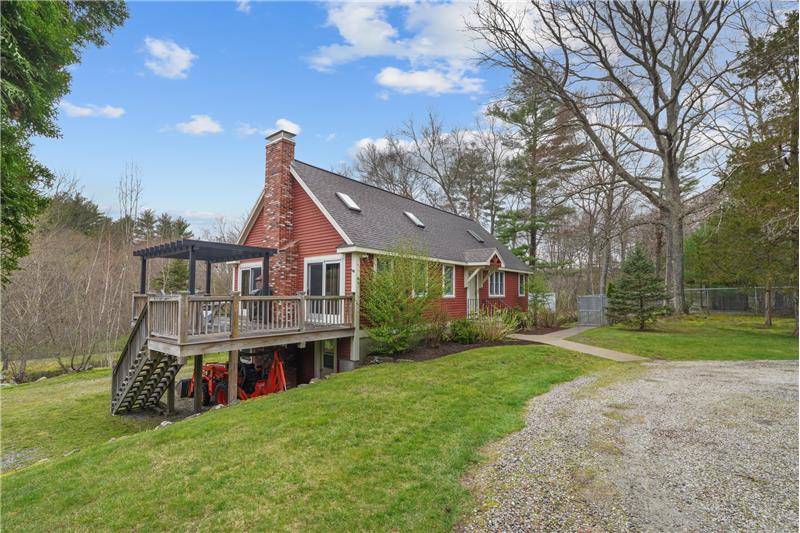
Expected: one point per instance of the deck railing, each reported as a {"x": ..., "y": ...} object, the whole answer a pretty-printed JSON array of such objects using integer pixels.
[{"x": 185, "y": 318}]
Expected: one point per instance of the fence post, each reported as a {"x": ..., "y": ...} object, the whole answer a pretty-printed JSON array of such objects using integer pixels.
[{"x": 183, "y": 317}]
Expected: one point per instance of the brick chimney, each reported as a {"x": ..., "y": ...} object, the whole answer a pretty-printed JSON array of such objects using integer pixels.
[{"x": 278, "y": 212}]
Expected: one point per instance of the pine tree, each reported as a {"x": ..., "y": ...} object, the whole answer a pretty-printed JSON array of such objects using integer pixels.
[
  {"x": 145, "y": 229},
  {"x": 637, "y": 298},
  {"x": 173, "y": 277}
]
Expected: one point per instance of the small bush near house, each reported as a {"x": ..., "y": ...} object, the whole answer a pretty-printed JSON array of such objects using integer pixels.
[
  {"x": 436, "y": 332},
  {"x": 496, "y": 326},
  {"x": 464, "y": 331},
  {"x": 397, "y": 297}
]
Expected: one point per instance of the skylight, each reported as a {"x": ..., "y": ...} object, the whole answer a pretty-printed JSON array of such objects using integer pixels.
[
  {"x": 475, "y": 236},
  {"x": 413, "y": 218},
  {"x": 349, "y": 202}
]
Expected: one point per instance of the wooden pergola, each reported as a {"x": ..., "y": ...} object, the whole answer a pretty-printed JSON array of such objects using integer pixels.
[{"x": 207, "y": 251}]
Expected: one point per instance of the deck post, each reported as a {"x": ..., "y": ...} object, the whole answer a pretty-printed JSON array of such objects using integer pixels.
[
  {"x": 192, "y": 270},
  {"x": 143, "y": 276},
  {"x": 301, "y": 311},
  {"x": 183, "y": 317},
  {"x": 233, "y": 377},
  {"x": 198, "y": 383}
]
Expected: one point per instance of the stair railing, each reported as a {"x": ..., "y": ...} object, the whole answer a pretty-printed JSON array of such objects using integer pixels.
[{"x": 135, "y": 342}]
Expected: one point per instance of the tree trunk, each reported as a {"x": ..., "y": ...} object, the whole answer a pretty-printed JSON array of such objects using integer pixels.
[
  {"x": 674, "y": 230},
  {"x": 604, "y": 267}
]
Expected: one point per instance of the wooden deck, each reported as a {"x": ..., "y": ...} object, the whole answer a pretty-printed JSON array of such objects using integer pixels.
[
  {"x": 168, "y": 329},
  {"x": 184, "y": 325}
]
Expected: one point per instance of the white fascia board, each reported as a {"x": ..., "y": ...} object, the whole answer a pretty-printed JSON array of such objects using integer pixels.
[
  {"x": 319, "y": 205},
  {"x": 375, "y": 251},
  {"x": 251, "y": 219}
]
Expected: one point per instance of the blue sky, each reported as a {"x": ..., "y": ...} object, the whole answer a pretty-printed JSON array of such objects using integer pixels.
[{"x": 187, "y": 91}]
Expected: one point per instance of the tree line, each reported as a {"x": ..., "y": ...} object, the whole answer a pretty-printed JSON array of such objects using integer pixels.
[{"x": 669, "y": 125}]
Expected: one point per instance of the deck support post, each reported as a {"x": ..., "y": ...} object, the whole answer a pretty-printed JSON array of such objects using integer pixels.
[
  {"x": 355, "y": 282},
  {"x": 233, "y": 377},
  {"x": 143, "y": 276},
  {"x": 198, "y": 383}
]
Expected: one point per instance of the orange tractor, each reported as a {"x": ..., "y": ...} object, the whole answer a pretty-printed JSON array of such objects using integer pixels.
[{"x": 254, "y": 380}]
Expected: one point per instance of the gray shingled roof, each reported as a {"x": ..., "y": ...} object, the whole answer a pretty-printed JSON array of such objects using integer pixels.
[{"x": 382, "y": 224}]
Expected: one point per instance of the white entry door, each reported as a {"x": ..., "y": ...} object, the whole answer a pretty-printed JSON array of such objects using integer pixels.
[{"x": 472, "y": 295}]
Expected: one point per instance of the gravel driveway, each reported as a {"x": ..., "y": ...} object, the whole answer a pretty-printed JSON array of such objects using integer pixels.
[{"x": 695, "y": 446}]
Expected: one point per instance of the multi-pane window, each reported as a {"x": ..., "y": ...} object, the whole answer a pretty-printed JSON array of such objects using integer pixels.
[
  {"x": 247, "y": 282},
  {"x": 448, "y": 280},
  {"x": 497, "y": 283},
  {"x": 523, "y": 284}
]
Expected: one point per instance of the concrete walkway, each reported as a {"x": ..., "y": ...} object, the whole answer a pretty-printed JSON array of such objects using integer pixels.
[{"x": 557, "y": 338}]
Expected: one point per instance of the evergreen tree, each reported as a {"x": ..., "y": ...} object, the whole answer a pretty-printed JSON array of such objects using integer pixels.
[
  {"x": 637, "y": 298},
  {"x": 164, "y": 226},
  {"x": 174, "y": 277},
  {"x": 180, "y": 229},
  {"x": 39, "y": 41},
  {"x": 545, "y": 136},
  {"x": 145, "y": 229}
]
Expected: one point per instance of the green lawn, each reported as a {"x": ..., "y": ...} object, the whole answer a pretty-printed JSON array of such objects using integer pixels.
[
  {"x": 48, "y": 418},
  {"x": 380, "y": 448},
  {"x": 715, "y": 337}
]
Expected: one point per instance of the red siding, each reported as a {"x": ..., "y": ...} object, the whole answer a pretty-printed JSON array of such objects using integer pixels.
[
  {"x": 511, "y": 298},
  {"x": 312, "y": 232},
  {"x": 257, "y": 231},
  {"x": 456, "y": 307}
]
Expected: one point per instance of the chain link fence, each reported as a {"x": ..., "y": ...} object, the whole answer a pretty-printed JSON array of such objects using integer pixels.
[
  {"x": 734, "y": 300},
  {"x": 741, "y": 300}
]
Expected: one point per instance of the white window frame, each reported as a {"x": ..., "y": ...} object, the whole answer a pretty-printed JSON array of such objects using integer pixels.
[
  {"x": 325, "y": 259},
  {"x": 427, "y": 277},
  {"x": 452, "y": 281},
  {"x": 522, "y": 284},
  {"x": 492, "y": 282},
  {"x": 248, "y": 266}
]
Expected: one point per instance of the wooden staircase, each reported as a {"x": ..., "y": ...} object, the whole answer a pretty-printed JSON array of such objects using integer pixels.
[{"x": 141, "y": 376}]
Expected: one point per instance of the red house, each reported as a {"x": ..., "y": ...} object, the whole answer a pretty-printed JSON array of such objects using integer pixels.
[{"x": 327, "y": 228}]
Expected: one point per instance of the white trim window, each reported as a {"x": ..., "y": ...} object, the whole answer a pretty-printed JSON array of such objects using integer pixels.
[
  {"x": 448, "y": 281},
  {"x": 497, "y": 284},
  {"x": 419, "y": 279},
  {"x": 248, "y": 273},
  {"x": 523, "y": 284}
]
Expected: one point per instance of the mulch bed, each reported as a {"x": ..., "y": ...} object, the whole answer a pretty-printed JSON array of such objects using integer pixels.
[
  {"x": 542, "y": 330},
  {"x": 426, "y": 353}
]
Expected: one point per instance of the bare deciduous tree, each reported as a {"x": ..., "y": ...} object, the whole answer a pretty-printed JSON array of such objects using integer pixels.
[{"x": 658, "y": 59}]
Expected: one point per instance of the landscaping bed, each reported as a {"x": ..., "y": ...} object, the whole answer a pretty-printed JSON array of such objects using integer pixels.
[{"x": 425, "y": 352}]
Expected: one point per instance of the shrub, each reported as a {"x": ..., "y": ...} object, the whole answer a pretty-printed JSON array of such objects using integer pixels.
[
  {"x": 436, "y": 332},
  {"x": 464, "y": 331},
  {"x": 497, "y": 325},
  {"x": 396, "y": 298}
]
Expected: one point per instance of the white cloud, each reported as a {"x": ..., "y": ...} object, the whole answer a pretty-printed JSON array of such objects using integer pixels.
[
  {"x": 243, "y": 6},
  {"x": 90, "y": 110},
  {"x": 245, "y": 129},
  {"x": 288, "y": 125},
  {"x": 330, "y": 137},
  {"x": 167, "y": 59},
  {"x": 428, "y": 81},
  {"x": 199, "y": 125},
  {"x": 383, "y": 95},
  {"x": 435, "y": 42}
]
